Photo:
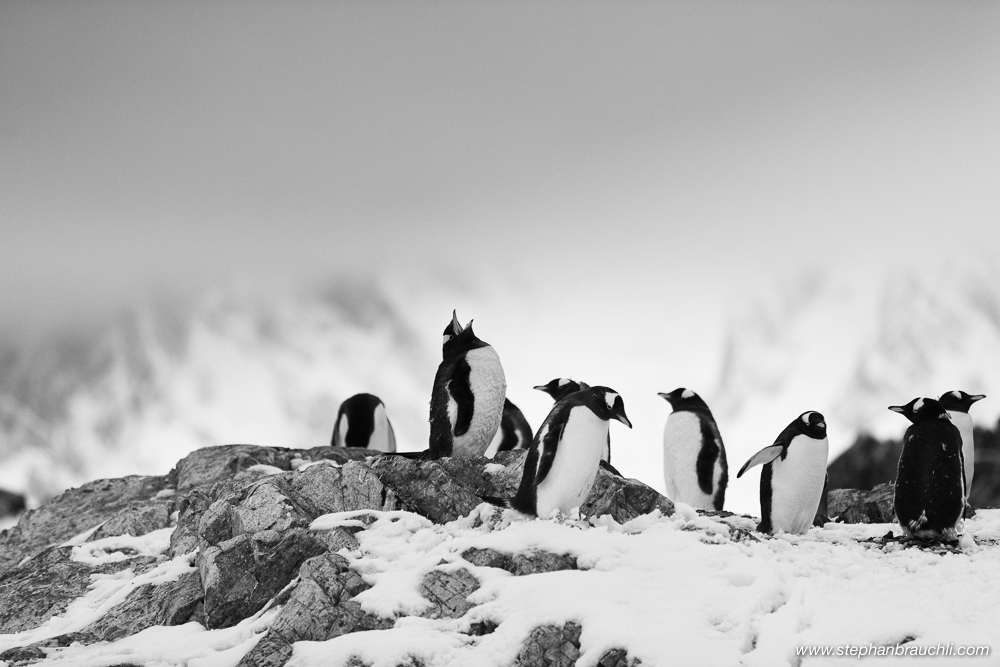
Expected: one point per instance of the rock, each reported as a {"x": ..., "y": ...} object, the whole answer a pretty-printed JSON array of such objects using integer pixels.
[
  {"x": 532, "y": 562},
  {"x": 551, "y": 646},
  {"x": 617, "y": 657},
  {"x": 190, "y": 508},
  {"x": 624, "y": 499},
  {"x": 320, "y": 608},
  {"x": 447, "y": 592},
  {"x": 74, "y": 512},
  {"x": 44, "y": 586},
  {"x": 441, "y": 490},
  {"x": 136, "y": 520},
  {"x": 857, "y": 506},
  {"x": 240, "y": 575}
]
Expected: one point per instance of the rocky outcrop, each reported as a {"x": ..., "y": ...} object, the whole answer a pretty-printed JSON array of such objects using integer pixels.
[
  {"x": 856, "y": 506},
  {"x": 241, "y": 519}
]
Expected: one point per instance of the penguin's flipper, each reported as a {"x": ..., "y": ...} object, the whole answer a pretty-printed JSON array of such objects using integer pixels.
[
  {"x": 460, "y": 391},
  {"x": 765, "y": 455},
  {"x": 548, "y": 444}
]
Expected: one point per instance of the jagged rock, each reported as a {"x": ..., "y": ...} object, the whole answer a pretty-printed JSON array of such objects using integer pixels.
[
  {"x": 136, "y": 520},
  {"x": 441, "y": 490},
  {"x": 856, "y": 506},
  {"x": 74, "y": 512},
  {"x": 11, "y": 503},
  {"x": 241, "y": 574},
  {"x": 45, "y": 585},
  {"x": 618, "y": 657},
  {"x": 448, "y": 591},
  {"x": 624, "y": 499},
  {"x": 293, "y": 500},
  {"x": 190, "y": 508},
  {"x": 320, "y": 608},
  {"x": 532, "y": 562},
  {"x": 551, "y": 646}
]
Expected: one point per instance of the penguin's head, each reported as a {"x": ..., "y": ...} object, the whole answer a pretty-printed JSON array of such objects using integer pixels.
[
  {"x": 684, "y": 399},
  {"x": 921, "y": 409},
  {"x": 812, "y": 424},
  {"x": 959, "y": 401},
  {"x": 606, "y": 403},
  {"x": 560, "y": 388},
  {"x": 458, "y": 338}
]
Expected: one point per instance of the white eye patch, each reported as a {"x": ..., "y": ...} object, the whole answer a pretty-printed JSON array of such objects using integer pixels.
[
  {"x": 446, "y": 338},
  {"x": 687, "y": 393},
  {"x": 563, "y": 382},
  {"x": 956, "y": 394},
  {"x": 919, "y": 404},
  {"x": 609, "y": 398},
  {"x": 806, "y": 416}
]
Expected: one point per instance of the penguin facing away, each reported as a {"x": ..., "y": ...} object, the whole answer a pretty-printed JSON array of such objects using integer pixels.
[
  {"x": 957, "y": 403},
  {"x": 694, "y": 459},
  {"x": 791, "y": 483},
  {"x": 514, "y": 432},
  {"x": 930, "y": 486},
  {"x": 562, "y": 462},
  {"x": 560, "y": 388},
  {"x": 468, "y": 395},
  {"x": 362, "y": 422}
]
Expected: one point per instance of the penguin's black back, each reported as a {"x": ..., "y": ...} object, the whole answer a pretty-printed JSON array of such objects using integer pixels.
[
  {"x": 514, "y": 427},
  {"x": 360, "y": 411},
  {"x": 929, "y": 475},
  {"x": 452, "y": 379},
  {"x": 542, "y": 453}
]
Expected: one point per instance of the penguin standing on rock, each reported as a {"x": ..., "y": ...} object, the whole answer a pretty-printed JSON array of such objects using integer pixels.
[
  {"x": 930, "y": 485},
  {"x": 514, "y": 432},
  {"x": 792, "y": 481},
  {"x": 559, "y": 389},
  {"x": 468, "y": 395},
  {"x": 362, "y": 422},
  {"x": 694, "y": 459},
  {"x": 562, "y": 461},
  {"x": 957, "y": 403}
]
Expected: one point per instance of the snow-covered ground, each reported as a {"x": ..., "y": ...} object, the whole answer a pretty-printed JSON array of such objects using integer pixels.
[{"x": 686, "y": 589}]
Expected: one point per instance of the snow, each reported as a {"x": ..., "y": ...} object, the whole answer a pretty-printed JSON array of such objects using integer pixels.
[{"x": 684, "y": 589}]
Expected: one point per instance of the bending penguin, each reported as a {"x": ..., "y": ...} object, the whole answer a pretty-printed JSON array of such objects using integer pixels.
[
  {"x": 930, "y": 480},
  {"x": 794, "y": 474},
  {"x": 957, "y": 403},
  {"x": 362, "y": 422},
  {"x": 468, "y": 394},
  {"x": 514, "y": 432},
  {"x": 562, "y": 461},
  {"x": 694, "y": 459}
]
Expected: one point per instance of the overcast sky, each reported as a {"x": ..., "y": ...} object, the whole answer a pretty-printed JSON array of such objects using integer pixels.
[{"x": 681, "y": 150}]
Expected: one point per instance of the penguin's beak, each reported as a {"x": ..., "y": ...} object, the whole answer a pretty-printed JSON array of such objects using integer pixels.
[
  {"x": 620, "y": 416},
  {"x": 897, "y": 408},
  {"x": 454, "y": 322},
  {"x": 977, "y": 397},
  {"x": 540, "y": 387},
  {"x": 665, "y": 396}
]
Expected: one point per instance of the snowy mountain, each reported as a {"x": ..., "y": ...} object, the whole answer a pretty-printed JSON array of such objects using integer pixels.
[{"x": 160, "y": 382}]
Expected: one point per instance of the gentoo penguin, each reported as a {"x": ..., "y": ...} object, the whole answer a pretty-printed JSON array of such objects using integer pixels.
[
  {"x": 930, "y": 484},
  {"x": 562, "y": 461},
  {"x": 791, "y": 483},
  {"x": 468, "y": 395},
  {"x": 362, "y": 422},
  {"x": 514, "y": 432},
  {"x": 559, "y": 389},
  {"x": 694, "y": 458},
  {"x": 957, "y": 403}
]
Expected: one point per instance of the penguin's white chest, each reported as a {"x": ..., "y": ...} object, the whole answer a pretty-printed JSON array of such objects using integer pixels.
[
  {"x": 797, "y": 484},
  {"x": 489, "y": 387},
  {"x": 963, "y": 422},
  {"x": 382, "y": 438},
  {"x": 575, "y": 465},
  {"x": 681, "y": 446}
]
